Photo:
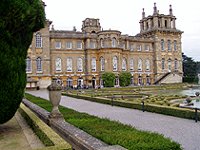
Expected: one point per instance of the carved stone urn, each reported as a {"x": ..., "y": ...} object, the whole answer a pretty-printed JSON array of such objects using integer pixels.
[{"x": 55, "y": 97}]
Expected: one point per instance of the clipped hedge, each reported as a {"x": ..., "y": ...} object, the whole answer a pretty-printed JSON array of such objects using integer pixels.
[
  {"x": 166, "y": 110},
  {"x": 49, "y": 138}
]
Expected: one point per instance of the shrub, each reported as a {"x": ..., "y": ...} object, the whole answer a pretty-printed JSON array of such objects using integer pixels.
[
  {"x": 125, "y": 78},
  {"x": 109, "y": 79},
  {"x": 19, "y": 19}
]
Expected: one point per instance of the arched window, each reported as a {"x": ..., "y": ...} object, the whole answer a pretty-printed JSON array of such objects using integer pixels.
[
  {"x": 131, "y": 64},
  {"x": 124, "y": 64},
  {"x": 39, "y": 64},
  {"x": 79, "y": 64},
  {"x": 169, "y": 65},
  {"x": 162, "y": 43},
  {"x": 93, "y": 64},
  {"x": 69, "y": 64},
  {"x": 38, "y": 40},
  {"x": 147, "y": 63},
  {"x": 114, "y": 42},
  {"x": 139, "y": 64},
  {"x": 169, "y": 45},
  {"x": 102, "y": 63},
  {"x": 176, "y": 64},
  {"x": 28, "y": 65},
  {"x": 163, "y": 64},
  {"x": 58, "y": 63},
  {"x": 115, "y": 63}
]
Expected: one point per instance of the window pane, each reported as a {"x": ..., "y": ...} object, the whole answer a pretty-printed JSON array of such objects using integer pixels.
[
  {"x": 58, "y": 64},
  {"x": 38, "y": 41},
  {"x": 69, "y": 64}
]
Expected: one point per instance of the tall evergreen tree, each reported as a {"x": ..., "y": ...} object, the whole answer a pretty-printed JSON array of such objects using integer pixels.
[
  {"x": 19, "y": 19},
  {"x": 189, "y": 69}
]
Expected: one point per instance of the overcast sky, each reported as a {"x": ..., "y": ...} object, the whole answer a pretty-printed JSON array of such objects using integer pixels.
[{"x": 124, "y": 15}]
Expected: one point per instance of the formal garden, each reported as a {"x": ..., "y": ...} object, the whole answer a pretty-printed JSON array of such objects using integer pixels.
[{"x": 163, "y": 99}]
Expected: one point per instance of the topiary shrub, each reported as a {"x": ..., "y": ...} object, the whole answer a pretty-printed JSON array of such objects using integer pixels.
[
  {"x": 125, "y": 78},
  {"x": 19, "y": 19},
  {"x": 109, "y": 79}
]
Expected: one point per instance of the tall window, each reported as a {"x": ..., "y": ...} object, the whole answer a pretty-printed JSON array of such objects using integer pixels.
[
  {"x": 69, "y": 64},
  {"x": 132, "y": 47},
  {"x": 131, "y": 64},
  {"x": 69, "y": 45},
  {"x": 176, "y": 64},
  {"x": 175, "y": 45},
  {"x": 38, "y": 40},
  {"x": 93, "y": 64},
  {"x": 92, "y": 44},
  {"x": 28, "y": 65},
  {"x": 79, "y": 45},
  {"x": 139, "y": 47},
  {"x": 147, "y": 63},
  {"x": 115, "y": 63},
  {"x": 58, "y": 64},
  {"x": 58, "y": 45},
  {"x": 39, "y": 64},
  {"x": 169, "y": 45},
  {"x": 162, "y": 43},
  {"x": 169, "y": 65},
  {"x": 163, "y": 64},
  {"x": 101, "y": 43},
  {"x": 147, "y": 48},
  {"x": 114, "y": 42},
  {"x": 79, "y": 64},
  {"x": 102, "y": 63},
  {"x": 124, "y": 64},
  {"x": 139, "y": 64}
]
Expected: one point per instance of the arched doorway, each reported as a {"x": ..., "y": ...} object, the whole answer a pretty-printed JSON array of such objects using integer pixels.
[
  {"x": 80, "y": 83},
  {"x": 93, "y": 82}
]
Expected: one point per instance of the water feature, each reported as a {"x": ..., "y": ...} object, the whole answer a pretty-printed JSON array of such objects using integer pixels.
[{"x": 190, "y": 91}]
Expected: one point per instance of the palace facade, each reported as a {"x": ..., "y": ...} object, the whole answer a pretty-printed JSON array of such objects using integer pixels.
[{"x": 79, "y": 58}]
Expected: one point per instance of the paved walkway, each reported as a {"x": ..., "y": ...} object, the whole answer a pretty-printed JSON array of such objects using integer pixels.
[
  {"x": 184, "y": 131},
  {"x": 17, "y": 135}
]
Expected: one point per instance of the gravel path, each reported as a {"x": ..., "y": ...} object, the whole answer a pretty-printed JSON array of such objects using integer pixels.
[{"x": 184, "y": 131}]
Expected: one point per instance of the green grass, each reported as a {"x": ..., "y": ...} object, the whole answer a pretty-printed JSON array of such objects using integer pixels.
[{"x": 111, "y": 132}]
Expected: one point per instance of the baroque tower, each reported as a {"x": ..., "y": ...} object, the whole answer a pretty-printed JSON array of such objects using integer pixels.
[{"x": 167, "y": 43}]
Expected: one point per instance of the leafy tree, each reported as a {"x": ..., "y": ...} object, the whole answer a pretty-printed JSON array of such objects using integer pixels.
[
  {"x": 189, "y": 69},
  {"x": 109, "y": 79},
  {"x": 125, "y": 78},
  {"x": 19, "y": 19}
]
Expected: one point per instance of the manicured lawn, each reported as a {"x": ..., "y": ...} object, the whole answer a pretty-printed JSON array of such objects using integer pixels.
[{"x": 111, "y": 132}]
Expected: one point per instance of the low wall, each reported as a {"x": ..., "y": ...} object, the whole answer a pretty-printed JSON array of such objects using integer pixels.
[
  {"x": 50, "y": 139},
  {"x": 79, "y": 139}
]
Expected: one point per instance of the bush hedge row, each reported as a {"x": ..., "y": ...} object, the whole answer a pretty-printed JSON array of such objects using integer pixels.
[{"x": 166, "y": 110}]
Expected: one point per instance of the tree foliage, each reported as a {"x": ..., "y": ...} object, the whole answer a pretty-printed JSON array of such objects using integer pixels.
[
  {"x": 125, "y": 78},
  {"x": 19, "y": 19},
  {"x": 109, "y": 79},
  {"x": 189, "y": 69}
]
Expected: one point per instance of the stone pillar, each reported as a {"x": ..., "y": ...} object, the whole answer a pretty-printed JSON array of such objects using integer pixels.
[{"x": 55, "y": 97}]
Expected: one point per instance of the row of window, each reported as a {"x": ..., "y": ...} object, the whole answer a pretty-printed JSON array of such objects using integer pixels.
[
  {"x": 169, "y": 45},
  {"x": 169, "y": 64},
  {"x": 69, "y": 45},
  {"x": 92, "y": 44},
  {"x": 140, "y": 63}
]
